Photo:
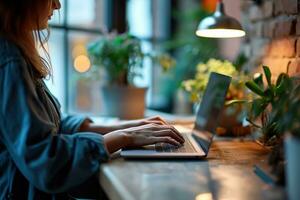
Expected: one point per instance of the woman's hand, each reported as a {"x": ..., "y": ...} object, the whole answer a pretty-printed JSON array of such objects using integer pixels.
[
  {"x": 141, "y": 136},
  {"x": 152, "y": 120},
  {"x": 88, "y": 126}
]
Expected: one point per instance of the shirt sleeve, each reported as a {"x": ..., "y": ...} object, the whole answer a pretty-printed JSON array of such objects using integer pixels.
[
  {"x": 70, "y": 124},
  {"x": 52, "y": 162}
]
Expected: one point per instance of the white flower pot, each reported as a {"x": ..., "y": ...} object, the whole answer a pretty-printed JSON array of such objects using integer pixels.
[
  {"x": 124, "y": 102},
  {"x": 292, "y": 153}
]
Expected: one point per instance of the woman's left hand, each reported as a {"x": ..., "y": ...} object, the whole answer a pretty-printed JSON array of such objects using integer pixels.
[
  {"x": 134, "y": 123},
  {"x": 88, "y": 126}
]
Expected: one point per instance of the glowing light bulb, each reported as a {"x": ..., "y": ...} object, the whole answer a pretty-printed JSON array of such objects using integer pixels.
[
  {"x": 82, "y": 63},
  {"x": 220, "y": 33}
]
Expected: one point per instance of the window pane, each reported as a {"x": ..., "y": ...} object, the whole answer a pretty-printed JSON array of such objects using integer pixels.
[
  {"x": 84, "y": 92},
  {"x": 139, "y": 18},
  {"x": 87, "y": 13},
  {"x": 56, "y": 51}
]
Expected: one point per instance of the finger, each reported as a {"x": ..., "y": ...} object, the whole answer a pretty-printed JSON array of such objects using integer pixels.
[
  {"x": 174, "y": 130},
  {"x": 157, "y": 118},
  {"x": 155, "y": 122},
  {"x": 169, "y": 133},
  {"x": 168, "y": 140},
  {"x": 156, "y": 127}
]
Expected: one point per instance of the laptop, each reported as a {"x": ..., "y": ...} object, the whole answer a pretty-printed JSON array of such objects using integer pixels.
[{"x": 198, "y": 141}]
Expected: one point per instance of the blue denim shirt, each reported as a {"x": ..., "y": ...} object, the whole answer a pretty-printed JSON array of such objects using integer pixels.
[{"x": 41, "y": 155}]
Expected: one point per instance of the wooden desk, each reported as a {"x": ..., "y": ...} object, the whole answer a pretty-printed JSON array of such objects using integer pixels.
[{"x": 226, "y": 174}]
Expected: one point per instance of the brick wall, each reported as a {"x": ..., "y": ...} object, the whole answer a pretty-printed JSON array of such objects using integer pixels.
[{"x": 273, "y": 35}]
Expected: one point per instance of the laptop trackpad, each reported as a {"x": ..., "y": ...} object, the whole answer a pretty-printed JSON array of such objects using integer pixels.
[{"x": 149, "y": 149}]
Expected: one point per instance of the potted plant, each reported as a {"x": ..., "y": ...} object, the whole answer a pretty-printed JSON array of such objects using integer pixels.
[
  {"x": 288, "y": 108},
  {"x": 264, "y": 102},
  {"x": 270, "y": 106},
  {"x": 231, "y": 116},
  {"x": 121, "y": 57}
]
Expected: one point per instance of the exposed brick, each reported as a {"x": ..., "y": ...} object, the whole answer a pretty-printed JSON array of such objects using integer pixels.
[
  {"x": 268, "y": 8},
  {"x": 290, "y": 6},
  {"x": 277, "y": 65},
  {"x": 255, "y": 13},
  {"x": 285, "y": 27},
  {"x": 298, "y": 47},
  {"x": 268, "y": 28},
  {"x": 284, "y": 47},
  {"x": 294, "y": 67},
  {"x": 278, "y": 7}
]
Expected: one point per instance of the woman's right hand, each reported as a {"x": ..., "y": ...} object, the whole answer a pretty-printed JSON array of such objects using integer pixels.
[{"x": 142, "y": 135}]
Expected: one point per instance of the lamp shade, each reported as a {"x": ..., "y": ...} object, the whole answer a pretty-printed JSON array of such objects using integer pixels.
[{"x": 219, "y": 25}]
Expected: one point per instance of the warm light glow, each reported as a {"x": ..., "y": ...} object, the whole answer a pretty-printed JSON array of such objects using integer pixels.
[
  {"x": 204, "y": 196},
  {"x": 82, "y": 64},
  {"x": 79, "y": 50},
  {"x": 220, "y": 33}
]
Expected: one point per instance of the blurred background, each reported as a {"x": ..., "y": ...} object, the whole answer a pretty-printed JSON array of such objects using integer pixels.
[{"x": 166, "y": 26}]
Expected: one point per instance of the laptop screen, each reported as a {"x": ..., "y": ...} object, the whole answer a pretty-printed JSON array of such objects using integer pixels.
[{"x": 210, "y": 108}]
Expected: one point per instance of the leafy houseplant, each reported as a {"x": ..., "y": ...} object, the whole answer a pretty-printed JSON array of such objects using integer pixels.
[
  {"x": 288, "y": 108},
  {"x": 195, "y": 87},
  {"x": 121, "y": 57},
  {"x": 267, "y": 99},
  {"x": 278, "y": 106}
]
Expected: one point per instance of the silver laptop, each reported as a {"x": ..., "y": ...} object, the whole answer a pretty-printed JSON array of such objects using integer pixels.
[{"x": 197, "y": 142}]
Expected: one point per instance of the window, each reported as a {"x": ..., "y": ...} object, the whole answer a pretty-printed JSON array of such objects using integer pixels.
[
  {"x": 80, "y": 22},
  {"x": 150, "y": 21},
  {"x": 77, "y": 23}
]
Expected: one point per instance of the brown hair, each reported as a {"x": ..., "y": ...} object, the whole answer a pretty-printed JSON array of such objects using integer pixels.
[{"x": 18, "y": 17}]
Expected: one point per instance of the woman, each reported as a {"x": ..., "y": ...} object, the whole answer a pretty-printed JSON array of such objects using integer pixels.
[{"x": 44, "y": 155}]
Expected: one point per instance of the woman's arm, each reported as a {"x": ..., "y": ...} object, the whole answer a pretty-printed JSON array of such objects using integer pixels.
[
  {"x": 89, "y": 126},
  {"x": 51, "y": 161}
]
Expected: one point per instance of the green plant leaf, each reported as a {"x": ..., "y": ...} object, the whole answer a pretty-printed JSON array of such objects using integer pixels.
[
  {"x": 258, "y": 106},
  {"x": 281, "y": 78},
  {"x": 268, "y": 75},
  {"x": 282, "y": 84},
  {"x": 269, "y": 94},
  {"x": 255, "y": 88}
]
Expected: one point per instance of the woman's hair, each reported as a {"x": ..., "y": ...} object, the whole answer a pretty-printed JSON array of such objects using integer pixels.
[{"x": 19, "y": 22}]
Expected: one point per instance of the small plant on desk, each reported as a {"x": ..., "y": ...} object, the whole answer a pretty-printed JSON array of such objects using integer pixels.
[
  {"x": 287, "y": 109},
  {"x": 231, "y": 117},
  {"x": 265, "y": 100},
  {"x": 278, "y": 107}
]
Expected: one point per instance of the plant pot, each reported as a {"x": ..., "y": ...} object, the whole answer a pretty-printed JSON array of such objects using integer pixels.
[
  {"x": 292, "y": 152},
  {"x": 123, "y": 102}
]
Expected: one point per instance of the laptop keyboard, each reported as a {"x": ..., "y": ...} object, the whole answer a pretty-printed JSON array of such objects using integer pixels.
[{"x": 186, "y": 148}]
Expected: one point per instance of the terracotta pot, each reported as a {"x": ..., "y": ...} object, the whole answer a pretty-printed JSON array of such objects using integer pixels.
[
  {"x": 292, "y": 174},
  {"x": 123, "y": 102}
]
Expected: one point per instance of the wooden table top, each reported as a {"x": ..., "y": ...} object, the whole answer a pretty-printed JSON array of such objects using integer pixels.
[{"x": 227, "y": 173}]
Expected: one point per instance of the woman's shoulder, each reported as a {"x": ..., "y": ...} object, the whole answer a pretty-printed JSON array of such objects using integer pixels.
[{"x": 9, "y": 51}]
